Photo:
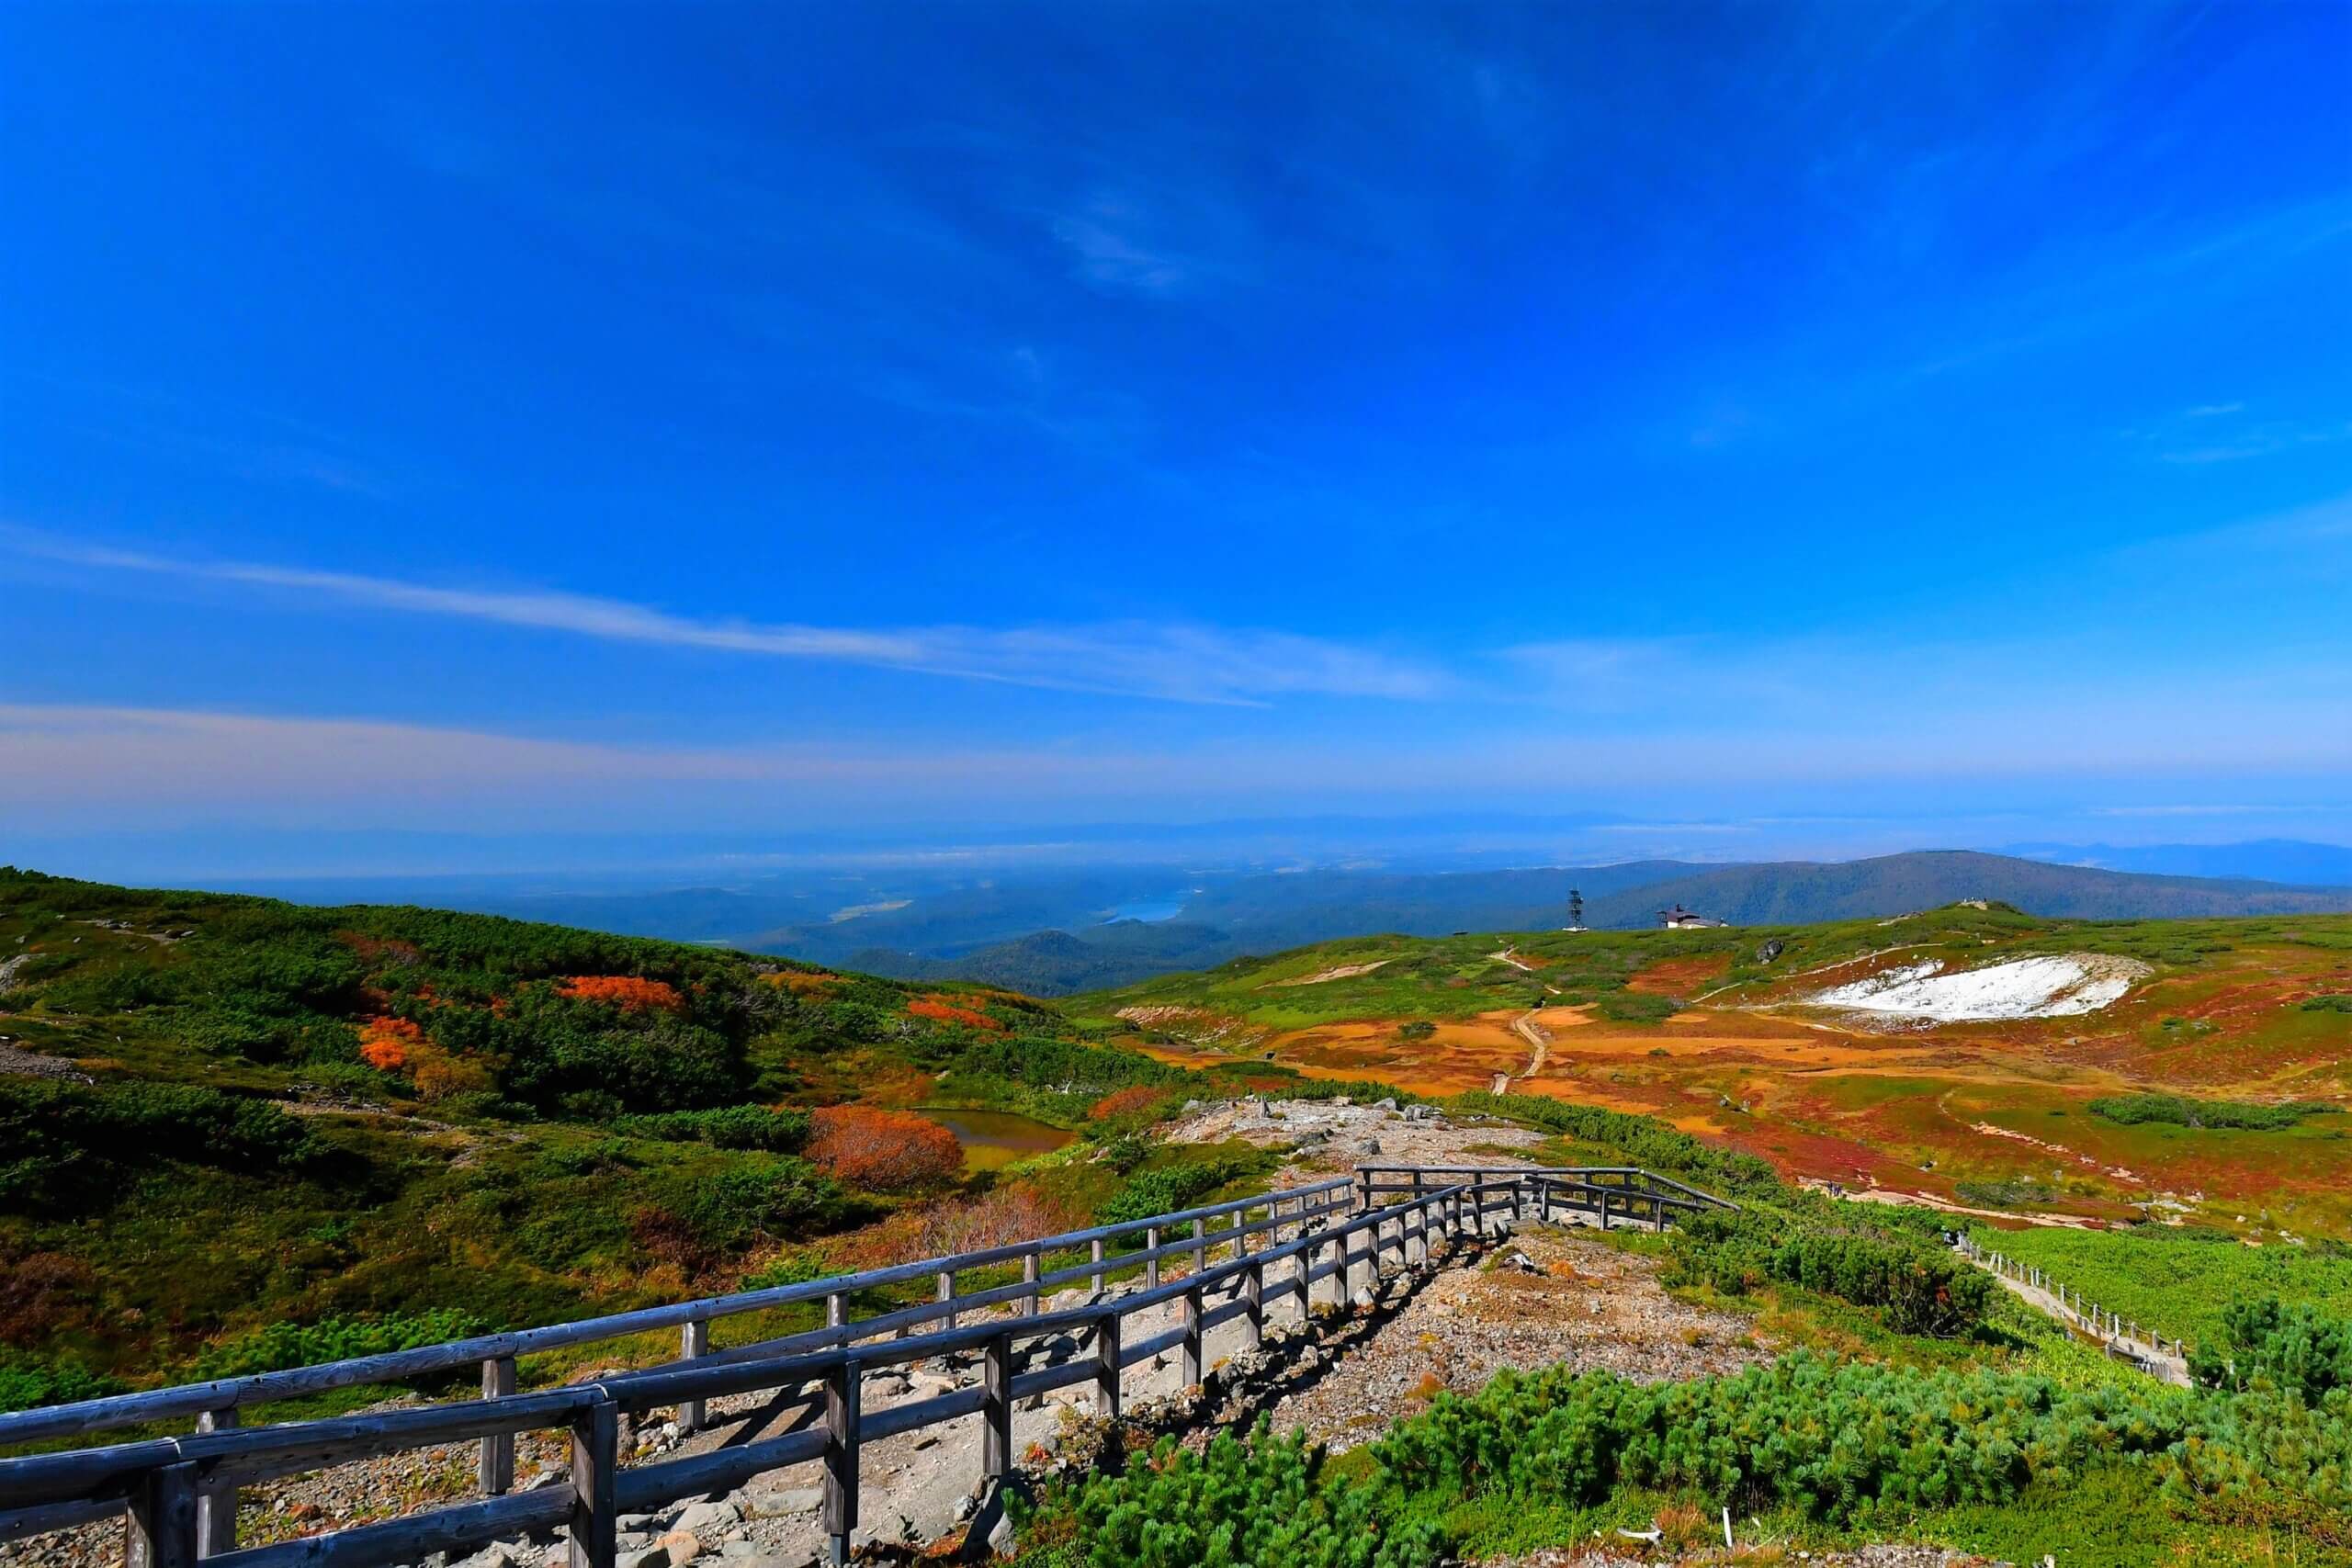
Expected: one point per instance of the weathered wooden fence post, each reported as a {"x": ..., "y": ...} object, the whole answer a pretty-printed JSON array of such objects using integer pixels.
[
  {"x": 1094, "y": 1256},
  {"x": 1254, "y": 1310},
  {"x": 947, "y": 1293},
  {"x": 1151, "y": 1257},
  {"x": 1191, "y": 1345},
  {"x": 595, "y": 1458},
  {"x": 996, "y": 1414},
  {"x": 495, "y": 1470},
  {"x": 1106, "y": 1363},
  {"x": 1028, "y": 1307},
  {"x": 694, "y": 1340},
  {"x": 215, "y": 1502},
  {"x": 842, "y": 1386},
  {"x": 159, "y": 1531}
]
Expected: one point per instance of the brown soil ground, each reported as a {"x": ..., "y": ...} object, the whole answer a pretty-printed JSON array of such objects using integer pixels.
[{"x": 1920, "y": 1109}]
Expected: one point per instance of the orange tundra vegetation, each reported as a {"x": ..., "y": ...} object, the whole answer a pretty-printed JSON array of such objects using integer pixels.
[
  {"x": 627, "y": 992},
  {"x": 941, "y": 1011},
  {"x": 386, "y": 1044},
  {"x": 1124, "y": 1101},
  {"x": 886, "y": 1150},
  {"x": 398, "y": 1045}
]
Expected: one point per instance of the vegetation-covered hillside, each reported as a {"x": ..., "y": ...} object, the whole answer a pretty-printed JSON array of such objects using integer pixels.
[
  {"x": 2214, "y": 1084},
  {"x": 220, "y": 1114}
]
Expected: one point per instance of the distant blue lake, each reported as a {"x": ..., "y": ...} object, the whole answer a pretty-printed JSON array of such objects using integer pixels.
[{"x": 1165, "y": 907}]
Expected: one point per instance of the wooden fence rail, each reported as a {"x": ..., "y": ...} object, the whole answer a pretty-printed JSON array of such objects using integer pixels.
[{"x": 179, "y": 1493}]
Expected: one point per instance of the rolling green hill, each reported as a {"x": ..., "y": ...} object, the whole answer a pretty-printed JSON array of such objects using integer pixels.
[
  {"x": 220, "y": 1112},
  {"x": 1264, "y": 915}
]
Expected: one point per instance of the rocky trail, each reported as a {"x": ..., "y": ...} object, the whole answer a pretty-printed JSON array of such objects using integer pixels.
[{"x": 1549, "y": 1294}]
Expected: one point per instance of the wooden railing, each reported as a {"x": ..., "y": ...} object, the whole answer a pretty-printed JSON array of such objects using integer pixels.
[
  {"x": 180, "y": 1493},
  {"x": 1607, "y": 1192}
]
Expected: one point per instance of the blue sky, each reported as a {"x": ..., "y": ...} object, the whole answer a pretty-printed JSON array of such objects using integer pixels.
[{"x": 1782, "y": 427}]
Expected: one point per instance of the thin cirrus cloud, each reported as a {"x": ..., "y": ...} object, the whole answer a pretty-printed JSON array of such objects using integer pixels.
[{"x": 1171, "y": 662}]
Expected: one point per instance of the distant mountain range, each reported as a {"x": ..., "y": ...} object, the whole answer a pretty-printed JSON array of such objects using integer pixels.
[
  {"x": 1269, "y": 914},
  {"x": 1050, "y": 931},
  {"x": 2272, "y": 860}
]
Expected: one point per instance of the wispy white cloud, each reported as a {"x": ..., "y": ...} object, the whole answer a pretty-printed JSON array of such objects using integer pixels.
[
  {"x": 1124, "y": 243},
  {"x": 1172, "y": 662},
  {"x": 135, "y": 766}
]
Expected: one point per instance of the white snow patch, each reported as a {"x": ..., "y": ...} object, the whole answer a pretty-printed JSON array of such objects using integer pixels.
[{"x": 2057, "y": 986}]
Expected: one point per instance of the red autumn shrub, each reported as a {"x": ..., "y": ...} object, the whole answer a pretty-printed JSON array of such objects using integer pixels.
[
  {"x": 627, "y": 992},
  {"x": 888, "y": 1150},
  {"x": 1124, "y": 1101},
  {"x": 386, "y": 1044},
  {"x": 941, "y": 1011}
]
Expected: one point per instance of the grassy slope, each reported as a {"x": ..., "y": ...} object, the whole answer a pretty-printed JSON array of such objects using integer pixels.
[
  {"x": 1987, "y": 1114},
  {"x": 512, "y": 1191}
]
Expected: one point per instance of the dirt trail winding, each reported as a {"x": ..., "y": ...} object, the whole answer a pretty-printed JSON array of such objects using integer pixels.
[{"x": 1539, "y": 1039}]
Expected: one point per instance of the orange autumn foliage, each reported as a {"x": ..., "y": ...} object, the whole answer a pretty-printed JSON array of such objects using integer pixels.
[
  {"x": 941, "y": 1011},
  {"x": 800, "y": 984},
  {"x": 385, "y": 1045},
  {"x": 397, "y": 1046},
  {"x": 1124, "y": 1101},
  {"x": 887, "y": 1151},
  {"x": 627, "y": 992}
]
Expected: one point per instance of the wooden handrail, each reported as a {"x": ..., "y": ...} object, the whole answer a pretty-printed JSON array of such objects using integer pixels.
[
  {"x": 160, "y": 1481},
  {"x": 395, "y": 1366}
]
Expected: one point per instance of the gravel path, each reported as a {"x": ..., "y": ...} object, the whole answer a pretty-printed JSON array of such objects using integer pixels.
[{"x": 1551, "y": 1294}]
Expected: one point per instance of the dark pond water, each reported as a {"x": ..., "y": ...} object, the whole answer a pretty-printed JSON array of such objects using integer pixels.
[{"x": 994, "y": 1139}]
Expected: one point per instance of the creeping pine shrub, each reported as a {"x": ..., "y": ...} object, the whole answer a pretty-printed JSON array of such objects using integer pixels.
[
  {"x": 787, "y": 1268},
  {"x": 778, "y": 1131},
  {"x": 281, "y": 1345},
  {"x": 2132, "y": 1110},
  {"x": 2337, "y": 1001},
  {"x": 1915, "y": 1288},
  {"x": 1261, "y": 1502},
  {"x": 26, "y": 1382},
  {"x": 57, "y": 1140},
  {"x": 701, "y": 1214},
  {"x": 2293, "y": 1348},
  {"x": 1835, "y": 1438},
  {"x": 1169, "y": 1188}
]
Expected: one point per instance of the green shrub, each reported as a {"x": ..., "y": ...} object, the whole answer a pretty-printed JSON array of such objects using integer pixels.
[
  {"x": 1636, "y": 1006},
  {"x": 278, "y": 1346},
  {"x": 2021, "y": 1193},
  {"x": 790, "y": 1269},
  {"x": 777, "y": 1131},
  {"x": 1914, "y": 1288},
  {"x": 1167, "y": 1188},
  {"x": 26, "y": 1382},
  {"x": 1416, "y": 1029},
  {"x": 2296, "y": 1348},
  {"x": 1263, "y": 1502},
  {"x": 58, "y": 1141},
  {"x": 728, "y": 1210},
  {"x": 1832, "y": 1437},
  {"x": 2134, "y": 1110},
  {"x": 1063, "y": 1068},
  {"x": 2338, "y": 1001}
]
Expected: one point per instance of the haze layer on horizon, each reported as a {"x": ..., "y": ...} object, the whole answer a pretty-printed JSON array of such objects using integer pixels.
[{"x": 1729, "y": 432}]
